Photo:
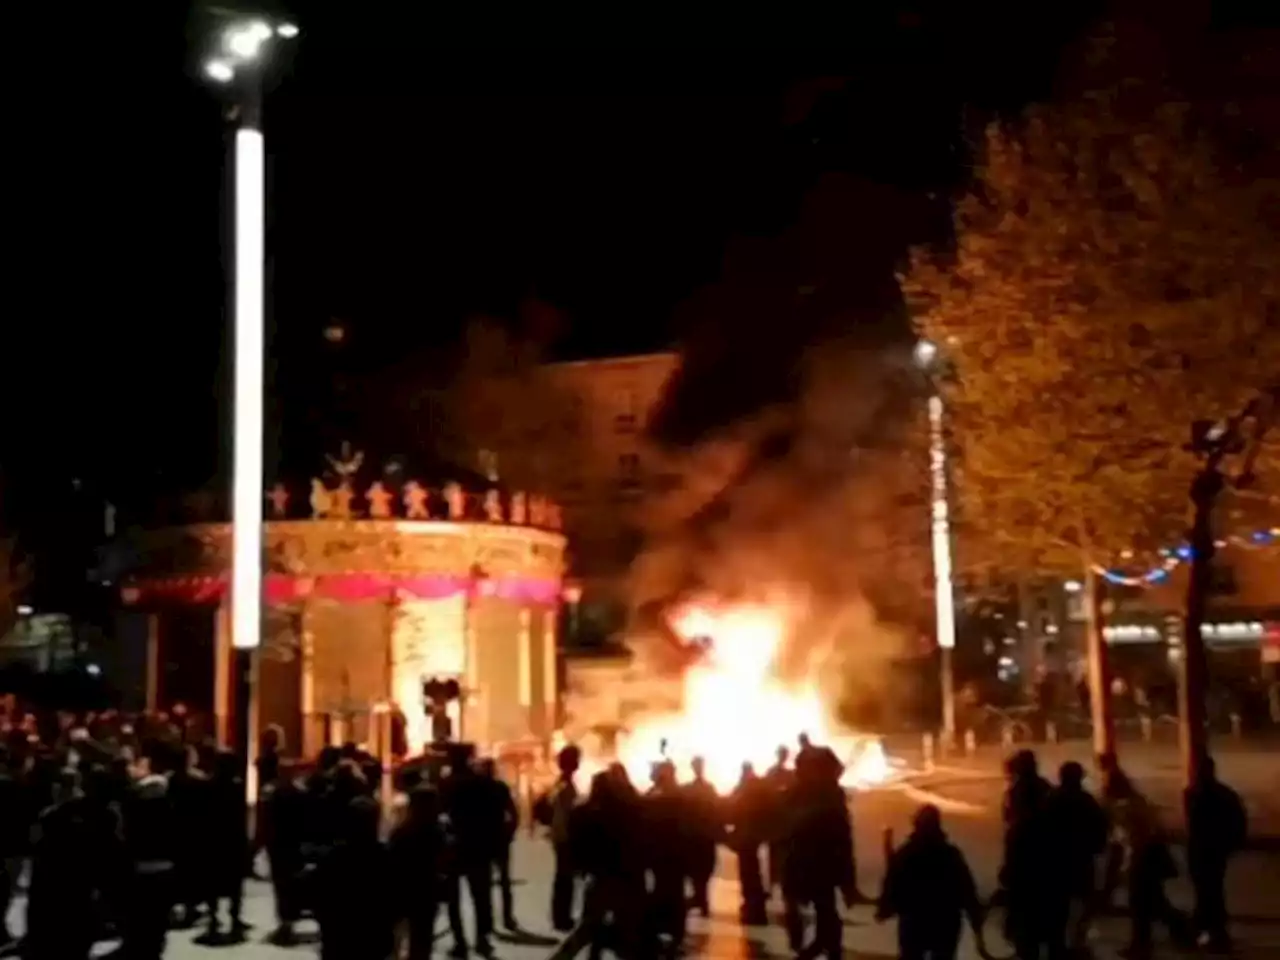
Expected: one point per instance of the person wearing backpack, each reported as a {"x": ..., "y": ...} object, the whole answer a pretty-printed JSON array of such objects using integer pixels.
[{"x": 1217, "y": 827}]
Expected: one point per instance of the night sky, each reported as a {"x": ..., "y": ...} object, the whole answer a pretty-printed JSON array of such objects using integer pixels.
[{"x": 430, "y": 167}]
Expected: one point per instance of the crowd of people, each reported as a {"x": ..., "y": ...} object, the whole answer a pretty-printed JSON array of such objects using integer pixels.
[
  {"x": 647, "y": 859},
  {"x": 130, "y": 830},
  {"x": 134, "y": 826}
]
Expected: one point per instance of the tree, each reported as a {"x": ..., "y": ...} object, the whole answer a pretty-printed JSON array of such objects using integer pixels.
[{"x": 1110, "y": 283}]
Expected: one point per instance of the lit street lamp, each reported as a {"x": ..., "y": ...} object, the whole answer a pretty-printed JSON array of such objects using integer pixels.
[
  {"x": 926, "y": 357},
  {"x": 243, "y": 49}
]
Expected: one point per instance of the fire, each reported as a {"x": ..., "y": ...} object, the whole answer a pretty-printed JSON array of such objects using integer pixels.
[{"x": 737, "y": 711}]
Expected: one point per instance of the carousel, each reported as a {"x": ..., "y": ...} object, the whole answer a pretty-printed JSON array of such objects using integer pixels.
[{"x": 397, "y": 612}]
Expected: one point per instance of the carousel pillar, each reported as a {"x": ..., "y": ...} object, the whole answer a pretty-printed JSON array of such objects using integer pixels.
[
  {"x": 471, "y": 729},
  {"x": 153, "y": 662},
  {"x": 310, "y": 744},
  {"x": 222, "y": 692},
  {"x": 549, "y": 675},
  {"x": 525, "y": 667}
]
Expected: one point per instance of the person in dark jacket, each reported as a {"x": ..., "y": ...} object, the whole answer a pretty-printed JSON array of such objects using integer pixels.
[
  {"x": 929, "y": 887},
  {"x": 417, "y": 856},
  {"x": 1217, "y": 827},
  {"x": 16, "y": 816},
  {"x": 1078, "y": 830},
  {"x": 704, "y": 822},
  {"x": 283, "y": 834},
  {"x": 1034, "y": 897},
  {"x": 227, "y": 833},
  {"x": 60, "y": 908},
  {"x": 355, "y": 904},
  {"x": 819, "y": 856},
  {"x": 150, "y": 832},
  {"x": 749, "y": 809},
  {"x": 500, "y": 805}
]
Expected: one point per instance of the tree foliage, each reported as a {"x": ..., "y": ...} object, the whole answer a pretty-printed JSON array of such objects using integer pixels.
[{"x": 1111, "y": 281}]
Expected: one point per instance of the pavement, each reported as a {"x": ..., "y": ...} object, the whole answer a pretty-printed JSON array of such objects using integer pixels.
[{"x": 969, "y": 794}]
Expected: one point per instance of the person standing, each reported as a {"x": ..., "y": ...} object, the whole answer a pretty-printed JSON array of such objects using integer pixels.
[
  {"x": 749, "y": 809},
  {"x": 929, "y": 887},
  {"x": 704, "y": 823},
  {"x": 1217, "y": 826},
  {"x": 60, "y": 908},
  {"x": 563, "y": 803},
  {"x": 150, "y": 833},
  {"x": 417, "y": 855},
  {"x": 500, "y": 808},
  {"x": 1078, "y": 829}
]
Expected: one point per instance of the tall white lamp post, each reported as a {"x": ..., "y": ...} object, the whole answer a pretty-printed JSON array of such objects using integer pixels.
[
  {"x": 242, "y": 52},
  {"x": 926, "y": 356}
]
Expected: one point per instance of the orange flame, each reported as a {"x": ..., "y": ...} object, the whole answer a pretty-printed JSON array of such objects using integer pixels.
[{"x": 737, "y": 711}]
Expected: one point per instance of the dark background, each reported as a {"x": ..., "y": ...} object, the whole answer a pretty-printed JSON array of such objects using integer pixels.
[{"x": 426, "y": 167}]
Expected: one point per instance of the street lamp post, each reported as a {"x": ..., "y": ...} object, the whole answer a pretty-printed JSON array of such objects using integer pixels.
[
  {"x": 926, "y": 356},
  {"x": 243, "y": 49}
]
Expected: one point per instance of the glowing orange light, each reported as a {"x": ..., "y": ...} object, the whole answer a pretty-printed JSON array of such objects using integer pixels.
[{"x": 736, "y": 709}]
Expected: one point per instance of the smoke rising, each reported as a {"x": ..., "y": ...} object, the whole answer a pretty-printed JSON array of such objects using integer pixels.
[{"x": 821, "y": 498}]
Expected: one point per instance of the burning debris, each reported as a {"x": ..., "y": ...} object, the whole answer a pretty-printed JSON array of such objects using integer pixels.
[{"x": 736, "y": 707}]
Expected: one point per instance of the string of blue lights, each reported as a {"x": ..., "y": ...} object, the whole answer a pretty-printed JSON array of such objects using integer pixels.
[{"x": 1170, "y": 557}]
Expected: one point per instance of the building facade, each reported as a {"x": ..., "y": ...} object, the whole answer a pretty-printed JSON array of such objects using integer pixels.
[
  {"x": 578, "y": 430},
  {"x": 367, "y": 599}
]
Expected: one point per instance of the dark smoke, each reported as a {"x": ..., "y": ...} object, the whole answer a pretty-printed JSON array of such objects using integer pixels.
[{"x": 824, "y": 496}]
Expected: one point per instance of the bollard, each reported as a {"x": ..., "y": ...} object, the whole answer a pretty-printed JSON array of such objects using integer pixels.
[
  {"x": 1006, "y": 736},
  {"x": 1145, "y": 721},
  {"x": 970, "y": 742},
  {"x": 1236, "y": 725},
  {"x": 926, "y": 747},
  {"x": 1050, "y": 732}
]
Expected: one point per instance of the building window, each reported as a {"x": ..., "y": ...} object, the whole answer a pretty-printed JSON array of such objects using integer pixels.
[
  {"x": 624, "y": 423},
  {"x": 573, "y": 415},
  {"x": 626, "y": 420},
  {"x": 1223, "y": 583},
  {"x": 629, "y": 472}
]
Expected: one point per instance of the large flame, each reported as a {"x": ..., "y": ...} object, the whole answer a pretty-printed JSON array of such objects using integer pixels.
[{"x": 736, "y": 710}]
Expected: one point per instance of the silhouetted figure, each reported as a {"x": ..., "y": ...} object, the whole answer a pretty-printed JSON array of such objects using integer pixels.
[
  {"x": 227, "y": 829},
  {"x": 60, "y": 909},
  {"x": 666, "y": 834},
  {"x": 819, "y": 856},
  {"x": 418, "y": 867},
  {"x": 15, "y": 824},
  {"x": 283, "y": 834},
  {"x": 191, "y": 792},
  {"x": 1119, "y": 795},
  {"x": 1217, "y": 827},
  {"x": 355, "y": 904},
  {"x": 1034, "y": 896},
  {"x": 150, "y": 833},
  {"x": 610, "y": 843},
  {"x": 563, "y": 801},
  {"x": 779, "y": 779},
  {"x": 1078, "y": 829},
  {"x": 929, "y": 887},
  {"x": 500, "y": 806},
  {"x": 749, "y": 811},
  {"x": 704, "y": 829},
  {"x": 475, "y": 832},
  {"x": 1151, "y": 866}
]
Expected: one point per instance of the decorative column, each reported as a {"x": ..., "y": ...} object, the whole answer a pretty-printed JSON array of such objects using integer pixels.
[
  {"x": 524, "y": 678},
  {"x": 550, "y": 697},
  {"x": 472, "y": 729},
  {"x": 153, "y": 662},
  {"x": 310, "y": 744},
  {"x": 222, "y": 690}
]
